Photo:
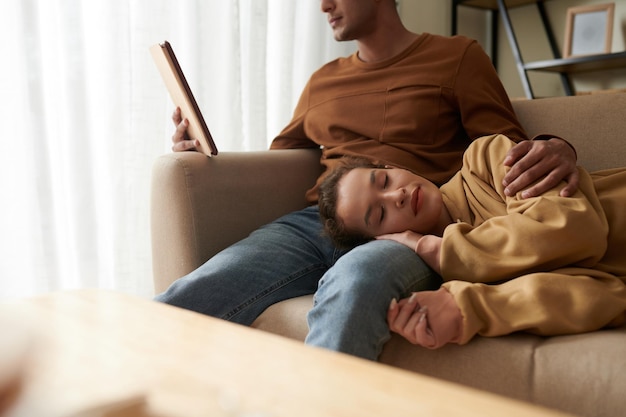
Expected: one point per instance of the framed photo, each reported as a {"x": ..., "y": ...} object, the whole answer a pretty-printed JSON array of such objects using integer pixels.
[{"x": 589, "y": 30}]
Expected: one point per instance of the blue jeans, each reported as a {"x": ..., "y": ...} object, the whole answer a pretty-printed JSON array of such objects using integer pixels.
[{"x": 291, "y": 257}]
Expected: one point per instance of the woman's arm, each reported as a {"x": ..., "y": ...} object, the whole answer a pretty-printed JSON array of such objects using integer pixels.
[
  {"x": 427, "y": 247},
  {"x": 502, "y": 237},
  {"x": 548, "y": 304},
  {"x": 567, "y": 301}
]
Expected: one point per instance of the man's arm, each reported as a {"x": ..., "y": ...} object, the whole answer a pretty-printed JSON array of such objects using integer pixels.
[{"x": 293, "y": 135}]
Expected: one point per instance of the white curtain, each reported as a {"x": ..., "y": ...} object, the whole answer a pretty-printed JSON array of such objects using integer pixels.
[{"x": 84, "y": 115}]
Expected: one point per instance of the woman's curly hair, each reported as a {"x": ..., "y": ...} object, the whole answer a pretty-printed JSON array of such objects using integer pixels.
[{"x": 327, "y": 201}]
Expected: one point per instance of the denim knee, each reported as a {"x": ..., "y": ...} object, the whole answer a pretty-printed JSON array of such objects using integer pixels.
[
  {"x": 381, "y": 268},
  {"x": 349, "y": 312}
]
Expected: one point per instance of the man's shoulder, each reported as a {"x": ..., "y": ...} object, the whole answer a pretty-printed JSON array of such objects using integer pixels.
[
  {"x": 335, "y": 66},
  {"x": 451, "y": 40},
  {"x": 456, "y": 41}
]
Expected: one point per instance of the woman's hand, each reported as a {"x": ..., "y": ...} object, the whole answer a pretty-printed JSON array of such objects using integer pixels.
[
  {"x": 553, "y": 159},
  {"x": 428, "y": 318},
  {"x": 180, "y": 139},
  {"x": 427, "y": 247},
  {"x": 407, "y": 238}
]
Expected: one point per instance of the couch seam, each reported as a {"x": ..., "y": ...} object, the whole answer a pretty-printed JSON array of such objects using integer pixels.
[{"x": 532, "y": 371}]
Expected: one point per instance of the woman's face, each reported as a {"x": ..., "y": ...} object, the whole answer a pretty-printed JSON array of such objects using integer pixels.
[{"x": 376, "y": 201}]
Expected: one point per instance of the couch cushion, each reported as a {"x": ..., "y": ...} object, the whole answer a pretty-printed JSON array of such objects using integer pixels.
[
  {"x": 582, "y": 374},
  {"x": 501, "y": 365},
  {"x": 287, "y": 318}
]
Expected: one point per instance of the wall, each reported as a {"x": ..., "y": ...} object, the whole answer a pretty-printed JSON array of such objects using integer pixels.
[
  {"x": 431, "y": 16},
  {"x": 435, "y": 15}
]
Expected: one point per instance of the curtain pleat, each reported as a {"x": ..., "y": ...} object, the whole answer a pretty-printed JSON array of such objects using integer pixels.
[{"x": 85, "y": 114}]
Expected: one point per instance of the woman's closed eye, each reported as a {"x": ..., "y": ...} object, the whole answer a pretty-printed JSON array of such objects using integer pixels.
[
  {"x": 379, "y": 180},
  {"x": 384, "y": 185}
]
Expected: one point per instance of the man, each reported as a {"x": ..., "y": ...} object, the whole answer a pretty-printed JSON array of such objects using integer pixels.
[{"x": 414, "y": 101}]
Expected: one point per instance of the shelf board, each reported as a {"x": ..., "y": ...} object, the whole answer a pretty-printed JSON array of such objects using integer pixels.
[
  {"x": 493, "y": 4},
  {"x": 580, "y": 63}
]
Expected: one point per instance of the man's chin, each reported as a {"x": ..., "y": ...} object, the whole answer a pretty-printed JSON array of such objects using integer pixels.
[{"x": 341, "y": 36}]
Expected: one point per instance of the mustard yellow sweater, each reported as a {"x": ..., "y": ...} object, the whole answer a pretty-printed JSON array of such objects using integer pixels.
[
  {"x": 418, "y": 110},
  {"x": 547, "y": 265}
]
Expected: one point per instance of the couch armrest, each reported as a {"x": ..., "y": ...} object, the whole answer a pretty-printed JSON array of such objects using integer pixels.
[{"x": 201, "y": 205}]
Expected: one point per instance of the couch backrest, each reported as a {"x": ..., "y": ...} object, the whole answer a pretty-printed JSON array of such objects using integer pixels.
[{"x": 595, "y": 124}]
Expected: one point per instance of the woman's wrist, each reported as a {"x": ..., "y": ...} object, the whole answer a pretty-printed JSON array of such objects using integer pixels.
[{"x": 428, "y": 248}]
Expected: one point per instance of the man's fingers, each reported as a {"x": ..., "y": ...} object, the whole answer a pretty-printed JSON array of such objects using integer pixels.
[
  {"x": 529, "y": 167},
  {"x": 572, "y": 185},
  {"x": 181, "y": 130},
  {"x": 185, "y": 145},
  {"x": 180, "y": 140},
  {"x": 549, "y": 181},
  {"x": 517, "y": 152},
  {"x": 545, "y": 162},
  {"x": 176, "y": 116},
  {"x": 524, "y": 180}
]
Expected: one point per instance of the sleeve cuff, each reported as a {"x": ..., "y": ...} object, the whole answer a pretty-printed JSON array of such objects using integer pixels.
[{"x": 547, "y": 136}]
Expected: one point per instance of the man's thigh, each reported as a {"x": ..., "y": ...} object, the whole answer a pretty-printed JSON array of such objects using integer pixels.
[{"x": 281, "y": 260}]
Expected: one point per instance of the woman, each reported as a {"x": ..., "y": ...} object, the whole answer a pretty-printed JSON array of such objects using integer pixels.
[{"x": 557, "y": 262}]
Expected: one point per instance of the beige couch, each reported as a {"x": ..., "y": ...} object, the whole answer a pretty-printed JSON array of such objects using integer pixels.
[{"x": 201, "y": 205}]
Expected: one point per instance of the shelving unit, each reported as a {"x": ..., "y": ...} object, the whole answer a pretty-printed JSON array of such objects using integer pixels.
[{"x": 562, "y": 66}]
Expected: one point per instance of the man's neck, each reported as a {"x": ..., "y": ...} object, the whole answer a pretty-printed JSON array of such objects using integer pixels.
[{"x": 385, "y": 44}]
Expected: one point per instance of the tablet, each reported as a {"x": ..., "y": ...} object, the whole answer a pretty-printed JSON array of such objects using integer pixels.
[{"x": 172, "y": 74}]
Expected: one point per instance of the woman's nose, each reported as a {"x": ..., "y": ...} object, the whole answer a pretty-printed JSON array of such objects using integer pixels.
[{"x": 397, "y": 197}]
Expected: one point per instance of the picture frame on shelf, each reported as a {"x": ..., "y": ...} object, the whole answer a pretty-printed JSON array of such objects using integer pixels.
[{"x": 589, "y": 30}]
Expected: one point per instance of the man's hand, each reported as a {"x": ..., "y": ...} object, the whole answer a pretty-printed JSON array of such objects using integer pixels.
[
  {"x": 530, "y": 160},
  {"x": 180, "y": 139},
  {"x": 428, "y": 318}
]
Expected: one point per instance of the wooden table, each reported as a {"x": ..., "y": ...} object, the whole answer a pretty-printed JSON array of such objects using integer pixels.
[{"x": 96, "y": 347}]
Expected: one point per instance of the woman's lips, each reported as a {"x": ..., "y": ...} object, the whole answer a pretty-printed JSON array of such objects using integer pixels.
[{"x": 415, "y": 200}]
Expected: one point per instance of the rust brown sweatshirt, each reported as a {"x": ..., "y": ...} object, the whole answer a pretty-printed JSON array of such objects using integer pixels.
[{"x": 418, "y": 110}]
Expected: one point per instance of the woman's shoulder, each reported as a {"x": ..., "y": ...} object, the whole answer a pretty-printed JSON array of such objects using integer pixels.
[{"x": 492, "y": 147}]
